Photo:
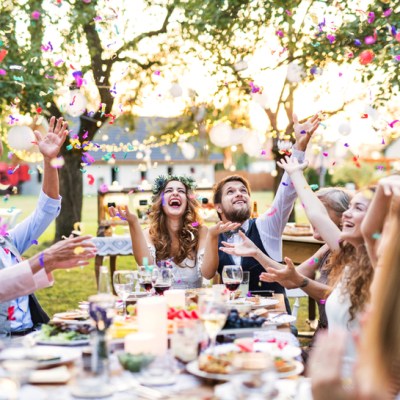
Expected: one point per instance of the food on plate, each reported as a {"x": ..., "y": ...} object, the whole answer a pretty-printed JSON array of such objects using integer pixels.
[
  {"x": 73, "y": 315},
  {"x": 254, "y": 299},
  {"x": 216, "y": 364},
  {"x": 119, "y": 329},
  {"x": 284, "y": 365},
  {"x": 64, "y": 332},
  {"x": 252, "y": 361},
  {"x": 261, "y": 312}
]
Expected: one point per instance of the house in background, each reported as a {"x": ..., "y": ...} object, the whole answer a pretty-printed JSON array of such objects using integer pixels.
[{"x": 138, "y": 167}]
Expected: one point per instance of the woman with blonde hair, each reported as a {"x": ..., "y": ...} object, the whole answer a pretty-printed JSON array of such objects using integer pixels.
[
  {"x": 176, "y": 236},
  {"x": 377, "y": 373}
]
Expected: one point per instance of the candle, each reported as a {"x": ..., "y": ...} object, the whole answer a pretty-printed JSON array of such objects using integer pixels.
[
  {"x": 136, "y": 343},
  {"x": 175, "y": 298},
  {"x": 152, "y": 318}
]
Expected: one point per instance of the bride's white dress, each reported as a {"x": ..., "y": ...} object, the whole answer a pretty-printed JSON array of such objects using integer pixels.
[{"x": 187, "y": 275}]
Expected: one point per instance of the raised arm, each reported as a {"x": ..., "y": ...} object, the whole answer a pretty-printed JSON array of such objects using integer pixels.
[
  {"x": 139, "y": 244},
  {"x": 291, "y": 278},
  {"x": 372, "y": 225},
  {"x": 272, "y": 223},
  {"x": 211, "y": 256},
  {"x": 315, "y": 210},
  {"x": 50, "y": 146}
]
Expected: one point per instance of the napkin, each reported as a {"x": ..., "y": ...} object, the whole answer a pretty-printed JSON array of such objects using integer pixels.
[{"x": 55, "y": 375}]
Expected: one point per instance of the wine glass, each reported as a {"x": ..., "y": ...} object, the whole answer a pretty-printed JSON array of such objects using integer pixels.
[
  {"x": 232, "y": 276},
  {"x": 146, "y": 278},
  {"x": 213, "y": 313},
  {"x": 163, "y": 281},
  {"x": 123, "y": 282}
]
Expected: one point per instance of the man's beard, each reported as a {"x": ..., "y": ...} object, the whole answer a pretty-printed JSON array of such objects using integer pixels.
[{"x": 238, "y": 215}]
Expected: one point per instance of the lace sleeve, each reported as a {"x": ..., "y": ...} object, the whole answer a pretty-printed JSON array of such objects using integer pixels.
[
  {"x": 199, "y": 259},
  {"x": 152, "y": 251}
]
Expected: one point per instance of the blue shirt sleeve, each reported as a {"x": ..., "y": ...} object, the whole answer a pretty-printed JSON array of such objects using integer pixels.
[{"x": 32, "y": 227}]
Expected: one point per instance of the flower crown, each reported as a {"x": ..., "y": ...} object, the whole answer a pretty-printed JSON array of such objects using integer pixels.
[{"x": 161, "y": 181}]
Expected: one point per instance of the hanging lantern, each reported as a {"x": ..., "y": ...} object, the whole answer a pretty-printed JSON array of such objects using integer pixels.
[
  {"x": 344, "y": 128},
  {"x": 253, "y": 144},
  {"x": 20, "y": 137},
  {"x": 295, "y": 73},
  {"x": 176, "y": 90},
  {"x": 187, "y": 150},
  {"x": 220, "y": 134}
]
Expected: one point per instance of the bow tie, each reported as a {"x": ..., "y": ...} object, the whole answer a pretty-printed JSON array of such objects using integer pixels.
[{"x": 229, "y": 234}]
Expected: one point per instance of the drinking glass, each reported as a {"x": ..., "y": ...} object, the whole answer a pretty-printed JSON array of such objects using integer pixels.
[
  {"x": 232, "y": 276},
  {"x": 123, "y": 282},
  {"x": 146, "y": 278},
  {"x": 163, "y": 280},
  {"x": 213, "y": 313}
]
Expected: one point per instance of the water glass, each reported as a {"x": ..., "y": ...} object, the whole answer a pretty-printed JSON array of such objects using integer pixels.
[
  {"x": 244, "y": 286},
  {"x": 232, "y": 276},
  {"x": 123, "y": 282}
]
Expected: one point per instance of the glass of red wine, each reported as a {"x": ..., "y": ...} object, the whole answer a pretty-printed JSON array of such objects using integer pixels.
[
  {"x": 163, "y": 280},
  {"x": 232, "y": 276},
  {"x": 146, "y": 278}
]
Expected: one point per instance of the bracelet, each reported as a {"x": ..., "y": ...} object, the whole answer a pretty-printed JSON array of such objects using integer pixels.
[{"x": 304, "y": 283}]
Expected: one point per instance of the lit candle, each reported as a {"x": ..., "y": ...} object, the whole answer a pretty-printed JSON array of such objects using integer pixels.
[
  {"x": 175, "y": 297},
  {"x": 136, "y": 343},
  {"x": 152, "y": 318}
]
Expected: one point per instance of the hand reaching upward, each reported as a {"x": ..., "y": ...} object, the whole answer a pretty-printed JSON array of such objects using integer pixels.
[
  {"x": 304, "y": 131},
  {"x": 50, "y": 144}
]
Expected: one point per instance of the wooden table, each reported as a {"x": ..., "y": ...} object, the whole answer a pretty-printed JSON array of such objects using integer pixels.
[{"x": 299, "y": 249}]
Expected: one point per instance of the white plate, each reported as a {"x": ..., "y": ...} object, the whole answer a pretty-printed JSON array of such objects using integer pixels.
[
  {"x": 70, "y": 343},
  {"x": 193, "y": 368},
  {"x": 64, "y": 356},
  {"x": 264, "y": 302},
  {"x": 282, "y": 319}
]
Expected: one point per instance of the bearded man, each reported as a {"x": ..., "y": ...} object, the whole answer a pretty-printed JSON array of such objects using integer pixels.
[{"x": 232, "y": 202}]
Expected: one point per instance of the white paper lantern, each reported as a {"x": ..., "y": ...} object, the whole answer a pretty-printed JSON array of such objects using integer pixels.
[
  {"x": 188, "y": 150},
  {"x": 295, "y": 73},
  {"x": 241, "y": 66},
  {"x": 238, "y": 136},
  {"x": 20, "y": 137},
  {"x": 252, "y": 145},
  {"x": 76, "y": 103},
  {"x": 261, "y": 98},
  {"x": 344, "y": 128},
  {"x": 176, "y": 90},
  {"x": 220, "y": 134}
]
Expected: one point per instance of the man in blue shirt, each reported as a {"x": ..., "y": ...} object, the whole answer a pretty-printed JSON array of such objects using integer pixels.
[{"x": 26, "y": 311}]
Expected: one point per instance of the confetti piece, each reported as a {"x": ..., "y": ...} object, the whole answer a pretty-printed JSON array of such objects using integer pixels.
[
  {"x": 325, "y": 154},
  {"x": 314, "y": 187},
  {"x": 57, "y": 162},
  {"x": 357, "y": 42},
  {"x": 387, "y": 12},
  {"x": 366, "y": 57},
  {"x": 285, "y": 184},
  {"x": 364, "y": 116},
  {"x": 331, "y": 38},
  {"x": 79, "y": 250},
  {"x": 371, "y": 17},
  {"x": 90, "y": 179},
  {"x": 194, "y": 224},
  {"x": 376, "y": 235},
  {"x": 41, "y": 259},
  {"x": 371, "y": 39},
  {"x": 346, "y": 145},
  {"x": 10, "y": 313},
  {"x": 322, "y": 301},
  {"x": 69, "y": 147},
  {"x": 103, "y": 188},
  {"x": 3, "y": 72},
  {"x": 35, "y": 15},
  {"x": 3, "y": 53},
  {"x": 34, "y": 241},
  {"x": 272, "y": 212}
]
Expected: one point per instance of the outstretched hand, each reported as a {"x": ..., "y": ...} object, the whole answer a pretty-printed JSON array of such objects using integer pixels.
[
  {"x": 304, "y": 131},
  {"x": 221, "y": 227},
  {"x": 123, "y": 213},
  {"x": 287, "y": 276},
  {"x": 246, "y": 248},
  {"x": 292, "y": 165},
  {"x": 50, "y": 144},
  {"x": 69, "y": 253}
]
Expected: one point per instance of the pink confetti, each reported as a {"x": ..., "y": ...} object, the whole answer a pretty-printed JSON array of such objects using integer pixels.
[
  {"x": 194, "y": 224},
  {"x": 387, "y": 12},
  {"x": 331, "y": 38},
  {"x": 3, "y": 72},
  {"x": 397, "y": 58},
  {"x": 325, "y": 154},
  {"x": 371, "y": 17},
  {"x": 35, "y": 15},
  {"x": 59, "y": 62}
]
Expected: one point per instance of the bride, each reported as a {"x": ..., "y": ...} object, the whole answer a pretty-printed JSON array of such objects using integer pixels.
[{"x": 176, "y": 236}]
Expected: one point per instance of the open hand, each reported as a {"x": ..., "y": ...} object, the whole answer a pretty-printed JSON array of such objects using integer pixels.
[
  {"x": 304, "y": 131},
  {"x": 288, "y": 277},
  {"x": 221, "y": 227},
  {"x": 246, "y": 248},
  {"x": 292, "y": 165},
  {"x": 123, "y": 213},
  {"x": 50, "y": 144}
]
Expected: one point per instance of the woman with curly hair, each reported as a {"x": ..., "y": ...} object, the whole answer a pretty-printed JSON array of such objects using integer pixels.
[
  {"x": 351, "y": 271},
  {"x": 176, "y": 235}
]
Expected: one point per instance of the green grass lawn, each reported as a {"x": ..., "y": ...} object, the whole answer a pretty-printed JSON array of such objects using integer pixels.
[{"x": 77, "y": 284}]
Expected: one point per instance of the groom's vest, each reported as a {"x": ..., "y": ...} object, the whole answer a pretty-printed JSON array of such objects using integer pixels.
[
  {"x": 251, "y": 264},
  {"x": 37, "y": 313}
]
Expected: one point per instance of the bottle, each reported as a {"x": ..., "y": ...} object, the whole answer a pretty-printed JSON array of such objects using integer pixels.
[
  {"x": 254, "y": 214},
  {"x": 104, "y": 281}
]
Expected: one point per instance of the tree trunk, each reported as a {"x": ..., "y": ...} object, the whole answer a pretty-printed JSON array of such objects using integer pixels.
[{"x": 71, "y": 190}]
